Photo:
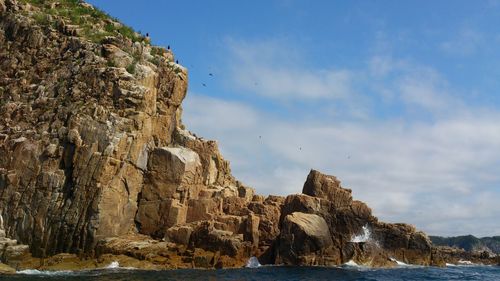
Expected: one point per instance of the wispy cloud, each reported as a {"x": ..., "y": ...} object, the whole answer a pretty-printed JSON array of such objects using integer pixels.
[
  {"x": 394, "y": 167},
  {"x": 466, "y": 41},
  {"x": 279, "y": 72},
  {"x": 434, "y": 173}
]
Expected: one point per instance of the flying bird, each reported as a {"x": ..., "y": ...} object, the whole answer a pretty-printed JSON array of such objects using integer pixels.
[
  {"x": 204, "y": 85},
  {"x": 210, "y": 74}
]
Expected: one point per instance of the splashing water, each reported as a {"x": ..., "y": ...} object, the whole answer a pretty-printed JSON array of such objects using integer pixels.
[
  {"x": 114, "y": 264},
  {"x": 351, "y": 263},
  {"x": 364, "y": 236},
  {"x": 253, "y": 262},
  {"x": 399, "y": 263}
]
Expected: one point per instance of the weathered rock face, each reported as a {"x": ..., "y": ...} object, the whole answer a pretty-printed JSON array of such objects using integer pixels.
[
  {"x": 305, "y": 239},
  {"x": 91, "y": 148},
  {"x": 327, "y": 187},
  {"x": 341, "y": 220},
  {"x": 404, "y": 243},
  {"x": 95, "y": 161}
]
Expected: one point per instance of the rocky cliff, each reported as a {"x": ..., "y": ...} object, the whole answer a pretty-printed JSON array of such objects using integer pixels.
[{"x": 95, "y": 164}]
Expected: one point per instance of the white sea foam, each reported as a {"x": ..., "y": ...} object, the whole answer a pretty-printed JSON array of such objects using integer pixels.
[
  {"x": 112, "y": 265},
  {"x": 364, "y": 236},
  {"x": 450, "y": 265},
  {"x": 253, "y": 262},
  {"x": 44, "y": 272},
  {"x": 351, "y": 263},
  {"x": 400, "y": 263},
  {"x": 464, "y": 262}
]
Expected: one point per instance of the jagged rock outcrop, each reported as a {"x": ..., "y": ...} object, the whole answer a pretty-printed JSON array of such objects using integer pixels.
[
  {"x": 96, "y": 165},
  {"x": 341, "y": 218}
]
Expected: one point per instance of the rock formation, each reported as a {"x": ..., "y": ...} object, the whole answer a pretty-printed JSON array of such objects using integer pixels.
[
  {"x": 96, "y": 165},
  {"x": 320, "y": 225}
]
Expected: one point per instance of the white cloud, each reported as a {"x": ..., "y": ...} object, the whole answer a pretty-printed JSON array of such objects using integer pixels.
[
  {"x": 437, "y": 174},
  {"x": 418, "y": 87},
  {"x": 466, "y": 42},
  {"x": 218, "y": 114},
  {"x": 272, "y": 70},
  {"x": 389, "y": 165}
]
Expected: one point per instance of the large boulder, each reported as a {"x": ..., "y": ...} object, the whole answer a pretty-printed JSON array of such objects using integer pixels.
[
  {"x": 404, "y": 243},
  {"x": 306, "y": 240},
  {"x": 173, "y": 175},
  {"x": 327, "y": 187},
  {"x": 170, "y": 167}
]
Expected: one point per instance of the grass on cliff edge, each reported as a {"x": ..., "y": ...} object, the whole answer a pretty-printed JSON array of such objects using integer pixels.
[{"x": 95, "y": 24}]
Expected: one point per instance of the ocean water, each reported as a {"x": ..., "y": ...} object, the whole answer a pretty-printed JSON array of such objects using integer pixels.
[{"x": 273, "y": 273}]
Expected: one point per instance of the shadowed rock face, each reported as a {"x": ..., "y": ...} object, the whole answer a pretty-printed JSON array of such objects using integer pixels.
[
  {"x": 95, "y": 161},
  {"x": 340, "y": 218}
]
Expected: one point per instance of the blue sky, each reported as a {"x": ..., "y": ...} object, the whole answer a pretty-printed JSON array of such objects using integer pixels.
[{"x": 399, "y": 99}]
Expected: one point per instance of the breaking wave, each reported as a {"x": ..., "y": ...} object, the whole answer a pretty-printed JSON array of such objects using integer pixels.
[
  {"x": 44, "y": 272},
  {"x": 253, "y": 262},
  {"x": 351, "y": 263},
  {"x": 400, "y": 263},
  {"x": 112, "y": 265},
  {"x": 364, "y": 236}
]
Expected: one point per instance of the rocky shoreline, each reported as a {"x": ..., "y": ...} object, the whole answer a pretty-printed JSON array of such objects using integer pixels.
[{"x": 96, "y": 166}]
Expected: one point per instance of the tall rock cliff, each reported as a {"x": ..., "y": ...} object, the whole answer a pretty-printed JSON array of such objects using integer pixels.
[
  {"x": 95, "y": 161},
  {"x": 91, "y": 143}
]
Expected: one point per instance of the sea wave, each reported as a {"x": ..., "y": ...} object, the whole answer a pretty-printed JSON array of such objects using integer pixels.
[
  {"x": 351, "y": 263},
  {"x": 400, "y": 263},
  {"x": 364, "y": 236},
  {"x": 113, "y": 265},
  {"x": 45, "y": 272},
  {"x": 253, "y": 262}
]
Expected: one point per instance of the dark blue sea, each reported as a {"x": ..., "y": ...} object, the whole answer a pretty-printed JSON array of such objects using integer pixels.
[{"x": 274, "y": 273}]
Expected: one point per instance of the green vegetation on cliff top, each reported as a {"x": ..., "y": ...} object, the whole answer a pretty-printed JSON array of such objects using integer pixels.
[{"x": 90, "y": 22}]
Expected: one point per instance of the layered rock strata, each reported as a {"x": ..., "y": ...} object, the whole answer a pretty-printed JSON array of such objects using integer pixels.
[{"x": 96, "y": 165}]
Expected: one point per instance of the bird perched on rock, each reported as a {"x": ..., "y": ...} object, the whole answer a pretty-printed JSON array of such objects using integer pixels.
[{"x": 177, "y": 61}]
